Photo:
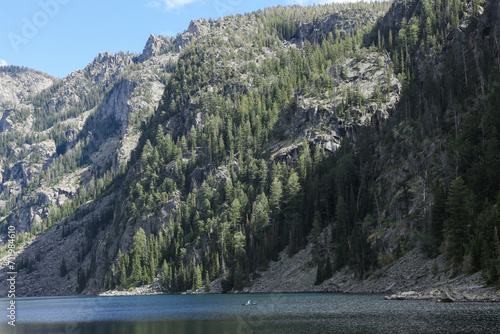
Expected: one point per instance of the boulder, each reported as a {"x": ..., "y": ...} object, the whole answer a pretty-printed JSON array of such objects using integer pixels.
[
  {"x": 45, "y": 198},
  {"x": 445, "y": 298}
]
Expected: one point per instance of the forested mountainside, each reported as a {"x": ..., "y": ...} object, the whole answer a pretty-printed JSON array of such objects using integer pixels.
[{"x": 212, "y": 152}]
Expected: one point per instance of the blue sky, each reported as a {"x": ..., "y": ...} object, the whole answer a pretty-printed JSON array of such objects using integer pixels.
[{"x": 61, "y": 36}]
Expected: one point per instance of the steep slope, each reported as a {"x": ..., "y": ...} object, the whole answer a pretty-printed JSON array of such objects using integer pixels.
[
  {"x": 17, "y": 87},
  {"x": 439, "y": 181}
]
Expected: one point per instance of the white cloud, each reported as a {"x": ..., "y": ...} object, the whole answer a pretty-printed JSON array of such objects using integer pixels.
[
  {"x": 169, "y": 4},
  {"x": 3, "y": 62},
  {"x": 153, "y": 4}
]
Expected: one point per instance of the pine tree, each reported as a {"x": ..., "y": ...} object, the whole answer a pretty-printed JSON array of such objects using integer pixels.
[
  {"x": 304, "y": 162},
  {"x": 136, "y": 273},
  {"x": 207, "y": 282},
  {"x": 260, "y": 214},
  {"x": 276, "y": 195},
  {"x": 340, "y": 233},
  {"x": 315, "y": 233},
  {"x": 456, "y": 226},
  {"x": 438, "y": 213},
  {"x": 197, "y": 278},
  {"x": 293, "y": 210}
]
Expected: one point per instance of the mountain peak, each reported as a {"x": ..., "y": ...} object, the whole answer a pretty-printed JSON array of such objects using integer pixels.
[
  {"x": 199, "y": 27},
  {"x": 154, "y": 46}
]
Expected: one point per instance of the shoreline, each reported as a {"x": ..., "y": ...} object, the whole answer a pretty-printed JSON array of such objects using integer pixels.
[{"x": 445, "y": 295}]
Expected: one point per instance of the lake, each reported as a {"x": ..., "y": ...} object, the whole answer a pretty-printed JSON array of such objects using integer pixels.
[{"x": 273, "y": 313}]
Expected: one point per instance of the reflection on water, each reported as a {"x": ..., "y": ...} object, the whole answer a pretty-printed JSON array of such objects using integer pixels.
[{"x": 273, "y": 314}]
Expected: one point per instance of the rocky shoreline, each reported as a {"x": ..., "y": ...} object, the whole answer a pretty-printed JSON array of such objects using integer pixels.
[
  {"x": 152, "y": 289},
  {"x": 449, "y": 295}
]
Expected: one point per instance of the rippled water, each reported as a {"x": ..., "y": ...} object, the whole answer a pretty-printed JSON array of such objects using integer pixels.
[{"x": 274, "y": 313}]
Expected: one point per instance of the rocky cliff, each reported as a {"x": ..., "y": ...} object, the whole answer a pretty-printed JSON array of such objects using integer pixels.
[{"x": 97, "y": 110}]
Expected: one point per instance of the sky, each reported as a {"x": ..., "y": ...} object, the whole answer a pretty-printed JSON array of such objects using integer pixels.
[{"x": 62, "y": 36}]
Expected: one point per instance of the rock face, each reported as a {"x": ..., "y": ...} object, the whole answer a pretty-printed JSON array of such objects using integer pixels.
[
  {"x": 18, "y": 85},
  {"x": 340, "y": 24},
  {"x": 320, "y": 122},
  {"x": 155, "y": 46},
  {"x": 159, "y": 45},
  {"x": 115, "y": 106}
]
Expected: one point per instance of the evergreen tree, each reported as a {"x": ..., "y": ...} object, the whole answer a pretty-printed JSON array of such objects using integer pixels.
[
  {"x": 197, "y": 278},
  {"x": 456, "y": 226},
  {"x": 207, "y": 282},
  {"x": 315, "y": 233},
  {"x": 341, "y": 233},
  {"x": 293, "y": 211},
  {"x": 276, "y": 195},
  {"x": 136, "y": 273}
]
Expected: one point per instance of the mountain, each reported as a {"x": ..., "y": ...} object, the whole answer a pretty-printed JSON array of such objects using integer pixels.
[{"x": 352, "y": 142}]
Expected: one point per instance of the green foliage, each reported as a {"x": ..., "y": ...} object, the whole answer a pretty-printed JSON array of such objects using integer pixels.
[
  {"x": 197, "y": 279},
  {"x": 429, "y": 245},
  {"x": 276, "y": 195},
  {"x": 206, "y": 152}
]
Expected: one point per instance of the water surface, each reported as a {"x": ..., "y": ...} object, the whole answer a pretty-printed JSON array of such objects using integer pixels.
[{"x": 273, "y": 314}]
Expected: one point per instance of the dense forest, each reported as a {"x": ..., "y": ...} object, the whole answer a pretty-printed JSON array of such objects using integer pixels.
[
  {"x": 236, "y": 226},
  {"x": 449, "y": 120}
]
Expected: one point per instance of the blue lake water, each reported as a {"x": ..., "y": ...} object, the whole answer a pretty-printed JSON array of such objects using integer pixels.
[{"x": 273, "y": 313}]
